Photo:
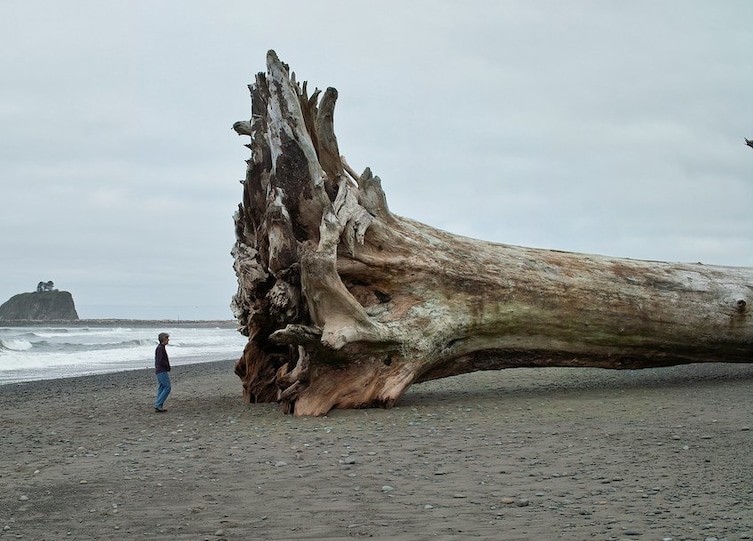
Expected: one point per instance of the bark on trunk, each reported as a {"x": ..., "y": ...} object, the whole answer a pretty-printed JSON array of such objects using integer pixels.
[{"x": 345, "y": 304}]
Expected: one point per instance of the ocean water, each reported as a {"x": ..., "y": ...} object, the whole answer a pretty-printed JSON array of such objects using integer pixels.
[{"x": 52, "y": 352}]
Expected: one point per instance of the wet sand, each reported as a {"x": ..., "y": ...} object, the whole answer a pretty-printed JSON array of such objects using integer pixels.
[{"x": 567, "y": 454}]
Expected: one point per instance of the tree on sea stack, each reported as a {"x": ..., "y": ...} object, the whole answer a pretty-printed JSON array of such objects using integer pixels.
[{"x": 346, "y": 304}]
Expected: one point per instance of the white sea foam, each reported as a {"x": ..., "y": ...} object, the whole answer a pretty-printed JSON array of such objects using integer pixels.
[
  {"x": 73, "y": 333},
  {"x": 15, "y": 344},
  {"x": 30, "y": 353}
]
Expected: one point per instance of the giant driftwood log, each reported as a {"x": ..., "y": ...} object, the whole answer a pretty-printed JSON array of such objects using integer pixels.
[{"x": 346, "y": 304}]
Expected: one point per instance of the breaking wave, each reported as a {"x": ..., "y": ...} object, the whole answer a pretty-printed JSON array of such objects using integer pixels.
[{"x": 30, "y": 353}]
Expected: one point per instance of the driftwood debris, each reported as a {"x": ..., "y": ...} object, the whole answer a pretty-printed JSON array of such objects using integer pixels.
[{"x": 346, "y": 305}]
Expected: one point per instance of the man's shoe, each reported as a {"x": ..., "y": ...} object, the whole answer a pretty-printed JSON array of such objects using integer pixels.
[{"x": 160, "y": 410}]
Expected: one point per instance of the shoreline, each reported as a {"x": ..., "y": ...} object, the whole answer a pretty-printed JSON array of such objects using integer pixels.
[
  {"x": 109, "y": 375},
  {"x": 200, "y": 323},
  {"x": 48, "y": 352},
  {"x": 134, "y": 376},
  {"x": 518, "y": 454}
]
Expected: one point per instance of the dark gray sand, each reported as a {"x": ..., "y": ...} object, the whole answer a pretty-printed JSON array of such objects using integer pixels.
[{"x": 519, "y": 454}]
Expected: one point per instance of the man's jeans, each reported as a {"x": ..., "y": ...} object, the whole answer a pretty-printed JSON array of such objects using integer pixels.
[{"x": 163, "y": 378}]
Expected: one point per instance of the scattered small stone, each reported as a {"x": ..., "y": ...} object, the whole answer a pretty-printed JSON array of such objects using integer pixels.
[
  {"x": 428, "y": 506},
  {"x": 280, "y": 464},
  {"x": 24, "y": 498},
  {"x": 633, "y": 533},
  {"x": 83, "y": 482},
  {"x": 219, "y": 533},
  {"x": 522, "y": 502},
  {"x": 387, "y": 488},
  {"x": 507, "y": 501},
  {"x": 459, "y": 496}
]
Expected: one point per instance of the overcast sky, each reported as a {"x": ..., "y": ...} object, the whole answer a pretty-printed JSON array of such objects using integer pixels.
[{"x": 605, "y": 127}]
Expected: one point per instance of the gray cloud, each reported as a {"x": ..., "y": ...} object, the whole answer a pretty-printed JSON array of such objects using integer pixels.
[{"x": 603, "y": 127}]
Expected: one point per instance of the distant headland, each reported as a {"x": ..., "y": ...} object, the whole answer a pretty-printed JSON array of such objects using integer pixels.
[
  {"x": 44, "y": 304},
  {"x": 48, "y": 306}
]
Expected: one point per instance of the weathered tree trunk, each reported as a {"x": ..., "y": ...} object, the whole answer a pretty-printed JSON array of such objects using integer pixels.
[{"x": 346, "y": 304}]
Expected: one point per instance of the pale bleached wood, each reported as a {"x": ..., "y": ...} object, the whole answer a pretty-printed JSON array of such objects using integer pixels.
[{"x": 346, "y": 304}]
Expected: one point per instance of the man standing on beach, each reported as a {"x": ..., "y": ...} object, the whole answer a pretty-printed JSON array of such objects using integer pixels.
[{"x": 162, "y": 369}]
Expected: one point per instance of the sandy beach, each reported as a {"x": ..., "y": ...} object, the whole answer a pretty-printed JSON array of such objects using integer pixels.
[{"x": 519, "y": 454}]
